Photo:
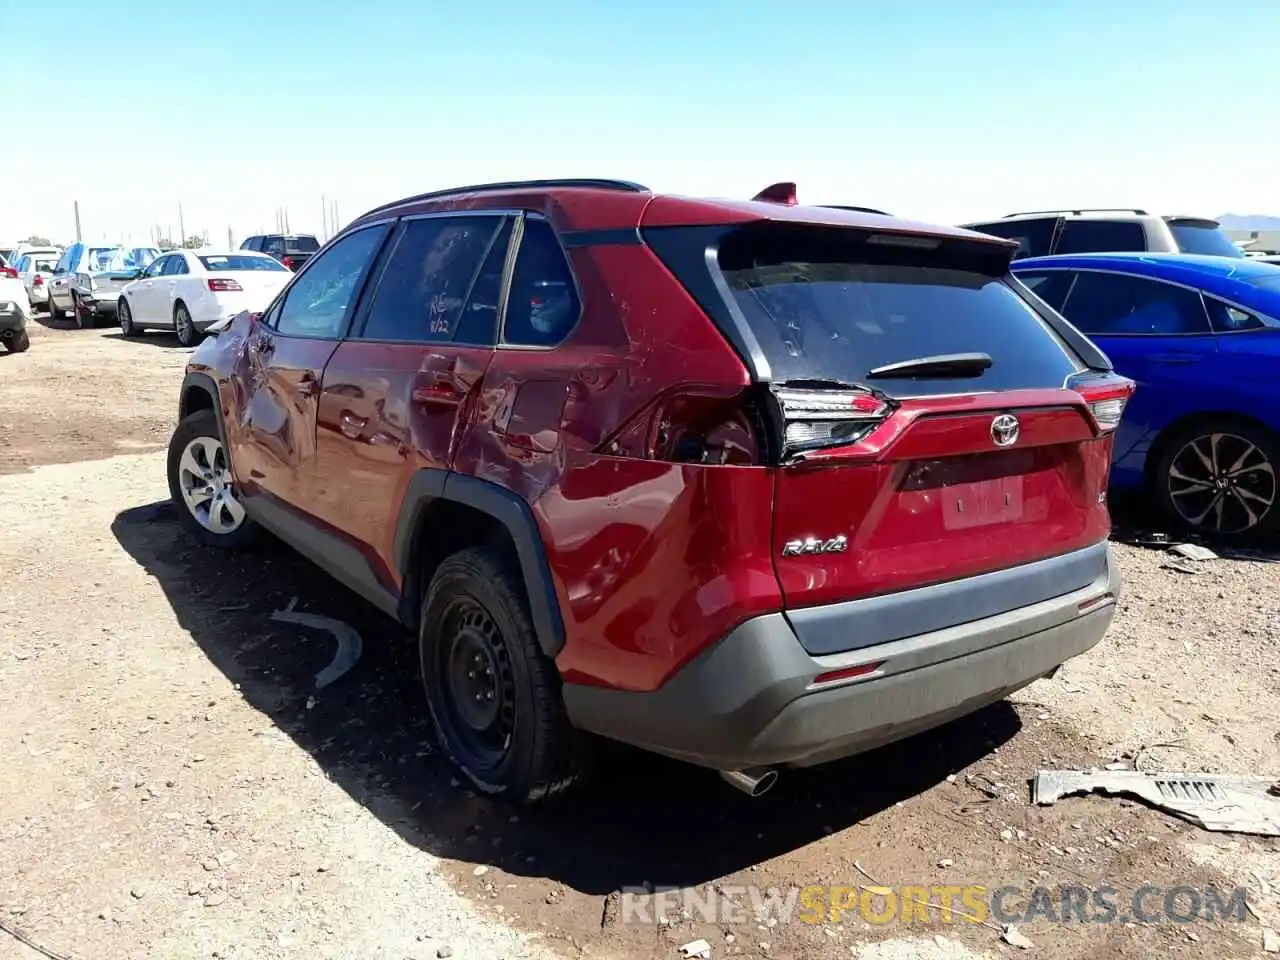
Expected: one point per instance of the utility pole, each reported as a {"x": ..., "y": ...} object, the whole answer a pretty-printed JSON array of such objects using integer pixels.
[
  {"x": 182, "y": 229},
  {"x": 76, "y": 204},
  {"x": 231, "y": 244},
  {"x": 324, "y": 218}
]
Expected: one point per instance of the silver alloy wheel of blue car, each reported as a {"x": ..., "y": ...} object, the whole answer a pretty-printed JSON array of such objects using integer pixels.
[
  {"x": 1222, "y": 482},
  {"x": 207, "y": 488}
]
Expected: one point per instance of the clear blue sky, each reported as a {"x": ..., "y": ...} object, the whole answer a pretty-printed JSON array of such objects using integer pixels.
[{"x": 938, "y": 109}]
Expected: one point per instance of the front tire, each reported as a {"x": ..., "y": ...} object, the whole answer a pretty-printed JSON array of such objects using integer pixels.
[
  {"x": 19, "y": 342},
  {"x": 494, "y": 696},
  {"x": 201, "y": 486},
  {"x": 125, "y": 315},
  {"x": 1221, "y": 479},
  {"x": 184, "y": 327}
]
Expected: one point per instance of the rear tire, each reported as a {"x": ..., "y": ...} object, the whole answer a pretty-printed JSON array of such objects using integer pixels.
[
  {"x": 201, "y": 488},
  {"x": 85, "y": 319},
  {"x": 19, "y": 342},
  {"x": 56, "y": 314},
  {"x": 183, "y": 326},
  {"x": 1229, "y": 462},
  {"x": 494, "y": 696}
]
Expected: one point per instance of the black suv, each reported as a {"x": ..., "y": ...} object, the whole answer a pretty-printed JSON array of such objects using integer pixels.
[
  {"x": 291, "y": 249},
  {"x": 1044, "y": 232}
]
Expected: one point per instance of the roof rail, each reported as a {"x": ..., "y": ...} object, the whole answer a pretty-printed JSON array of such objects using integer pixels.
[
  {"x": 625, "y": 186},
  {"x": 841, "y": 206},
  {"x": 1077, "y": 212}
]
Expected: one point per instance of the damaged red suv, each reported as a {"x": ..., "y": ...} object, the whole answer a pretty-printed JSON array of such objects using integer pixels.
[{"x": 752, "y": 484}]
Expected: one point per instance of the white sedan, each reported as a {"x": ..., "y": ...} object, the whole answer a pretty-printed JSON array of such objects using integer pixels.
[{"x": 187, "y": 291}]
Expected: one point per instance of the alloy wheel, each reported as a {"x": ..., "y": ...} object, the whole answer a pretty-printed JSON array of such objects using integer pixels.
[
  {"x": 185, "y": 329},
  {"x": 1222, "y": 483},
  {"x": 204, "y": 478}
]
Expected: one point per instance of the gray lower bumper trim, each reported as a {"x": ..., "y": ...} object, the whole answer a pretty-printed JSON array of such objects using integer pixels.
[
  {"x": 749, "y": 701},
  {"x": 872, "y": 620}
]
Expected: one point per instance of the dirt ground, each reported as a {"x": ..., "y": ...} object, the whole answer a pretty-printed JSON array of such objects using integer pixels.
[{"x": 174, "y": 787}]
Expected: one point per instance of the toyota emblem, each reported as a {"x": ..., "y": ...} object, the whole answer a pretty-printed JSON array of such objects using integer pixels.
[{"x": 1005, "y": 429}]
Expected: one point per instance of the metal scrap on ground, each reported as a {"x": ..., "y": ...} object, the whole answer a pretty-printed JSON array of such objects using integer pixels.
[
  {"x": 1217, "y": 802},
  {"x": 350, "y": 646}
]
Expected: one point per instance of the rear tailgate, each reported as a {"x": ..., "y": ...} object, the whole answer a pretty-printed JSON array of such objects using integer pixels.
[{"x": 889, "y": 482}]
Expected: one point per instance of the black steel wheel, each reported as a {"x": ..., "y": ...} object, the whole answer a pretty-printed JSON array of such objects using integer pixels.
[{"x": 494, "y": 696}]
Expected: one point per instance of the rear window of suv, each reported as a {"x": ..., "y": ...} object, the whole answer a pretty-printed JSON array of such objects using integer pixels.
[
  {"x": 828, "y": 305},
  {"x": 1205, "y": 237}
]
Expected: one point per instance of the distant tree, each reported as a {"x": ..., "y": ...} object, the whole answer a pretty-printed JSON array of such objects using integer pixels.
[
  {"x": 37, "y": 241},
  {"x": 194, "y": 242},
  {"x": 164, "y": 243}
]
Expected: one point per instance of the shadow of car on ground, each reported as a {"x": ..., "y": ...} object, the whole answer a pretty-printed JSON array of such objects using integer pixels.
[{"x": 642, "y": 819}]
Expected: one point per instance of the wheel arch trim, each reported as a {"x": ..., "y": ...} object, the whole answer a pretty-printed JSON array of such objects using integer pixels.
[{"x": 513, "y": 514}]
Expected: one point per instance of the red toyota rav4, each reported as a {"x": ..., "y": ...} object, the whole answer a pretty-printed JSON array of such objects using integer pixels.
[{"x": 748, "y": 483}]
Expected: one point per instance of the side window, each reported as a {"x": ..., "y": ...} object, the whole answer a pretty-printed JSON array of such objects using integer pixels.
[
  {"x": 423, "y": 291},
  {"x": 175, "y": 267},
  {"x": 1034, "y": 237},
  {"x": 319, "y": 299},
  {"x": 273, "y": 245},
  {"x": 1228, "y": 319},
  {"x": 1051, "y": 286},
  {"x": 156, "y": 268},
  {"x": 543, "y": 305},
  {"x": 1101, "y": 236},
  {"x": 1112, "y": 304},
  {"x": 61, "y": 266}
]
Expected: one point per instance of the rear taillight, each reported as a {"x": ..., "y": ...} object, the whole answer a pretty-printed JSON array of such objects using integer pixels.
[
  {"x": 816, "y": 417},
  {"x": 9, "y": 272},
  {"x": 223, "y": 286},
  {"x": 1106, "y": 397},
  {"x": 288, "y": 262},
  {"x": 37, "y": 281}
]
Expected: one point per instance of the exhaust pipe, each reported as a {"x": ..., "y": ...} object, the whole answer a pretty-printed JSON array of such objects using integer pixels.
[{"x": 754, "y": 783}]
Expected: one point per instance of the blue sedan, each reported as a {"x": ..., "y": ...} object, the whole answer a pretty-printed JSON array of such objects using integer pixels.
[{"x": 1201, "y": 337}]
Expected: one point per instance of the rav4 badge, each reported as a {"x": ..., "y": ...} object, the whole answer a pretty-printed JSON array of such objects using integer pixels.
[{"x": 812, "y": 545}]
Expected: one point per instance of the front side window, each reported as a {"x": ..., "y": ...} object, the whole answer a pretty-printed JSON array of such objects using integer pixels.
[
  {"x": 156, "y": 267},
  {"x": 1101, "y": 236},
  {"x": 317, "y": 303},
  {"x": 543, "y": 305},
  {"x": 429, "y": 277},
  {"x": 1113, "y": 304}
]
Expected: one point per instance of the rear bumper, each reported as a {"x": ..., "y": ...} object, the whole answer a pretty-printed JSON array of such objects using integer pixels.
[
  {"x": 99, "y": 302},
  {"x": 750, "y": 700}
]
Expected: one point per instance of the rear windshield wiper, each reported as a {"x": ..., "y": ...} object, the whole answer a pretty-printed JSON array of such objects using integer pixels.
[{"x": 944, "y": 365}]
